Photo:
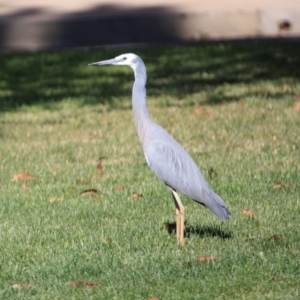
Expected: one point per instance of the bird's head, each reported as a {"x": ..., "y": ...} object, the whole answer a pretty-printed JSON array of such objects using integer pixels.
[{"x": 128, "y": 59}]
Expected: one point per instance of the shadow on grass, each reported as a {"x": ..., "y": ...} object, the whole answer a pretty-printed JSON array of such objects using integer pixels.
[
  {"x": 201, "y": 231},
  {"x": 45, "y": 78}
]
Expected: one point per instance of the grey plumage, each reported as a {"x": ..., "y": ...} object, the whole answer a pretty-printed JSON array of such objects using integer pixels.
[{"x": 165, "y": 156}]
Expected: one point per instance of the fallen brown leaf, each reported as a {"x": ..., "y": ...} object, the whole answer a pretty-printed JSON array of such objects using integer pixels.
[
  {"x": 296, "y": 106},
  {"x": 278, "y": 186},
  {"x": 153, "y": 298},
  {"x": 201, "y": 111},
  {"x": 136, "y": 195},
  {"x": 109, "y": 240},
  {"x": 121, "y": 187},
  {"x": 212, "y": 172},
  {"x": 248, "y": 213},
  {"x": 275, "y": 237},
  {"x": 25, "y": 186},
  {"x": 22, "y": 176},
  {"x": 99, "y": 166},
  {"x": 84, "y": 284},
  {"x": 89, "y": 192},
  {"x": 22, "y": 286},
  {"x": 205, "y": 258}
]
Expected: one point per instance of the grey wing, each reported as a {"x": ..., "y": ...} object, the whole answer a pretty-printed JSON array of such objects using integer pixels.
[{"x": 174, "y": 166}]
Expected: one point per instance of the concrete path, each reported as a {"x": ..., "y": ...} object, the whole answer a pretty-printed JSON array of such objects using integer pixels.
[{"x": 44, "y": 24}]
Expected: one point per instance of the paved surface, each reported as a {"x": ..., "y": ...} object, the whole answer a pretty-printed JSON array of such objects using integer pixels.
[{"x": 40, "y": 24}]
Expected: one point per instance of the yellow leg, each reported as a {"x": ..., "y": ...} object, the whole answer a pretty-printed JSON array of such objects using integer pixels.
[{"x": 179, "y": 218}]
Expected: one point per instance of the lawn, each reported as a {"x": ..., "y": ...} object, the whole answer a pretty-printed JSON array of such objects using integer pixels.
[{"x": 83, "y": 217}]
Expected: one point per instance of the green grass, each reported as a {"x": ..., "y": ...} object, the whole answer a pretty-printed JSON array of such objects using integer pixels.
[{"x": 230, "y": 105}]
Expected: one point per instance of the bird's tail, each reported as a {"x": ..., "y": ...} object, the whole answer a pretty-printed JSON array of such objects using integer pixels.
[{"x": 217, "y": 205}]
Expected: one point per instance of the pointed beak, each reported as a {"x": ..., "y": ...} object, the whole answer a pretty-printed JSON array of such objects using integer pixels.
[{"x": 106, "y": 62}]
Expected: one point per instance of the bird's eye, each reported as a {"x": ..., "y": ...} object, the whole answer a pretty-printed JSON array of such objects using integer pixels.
[{"x": 124, "y": 58}]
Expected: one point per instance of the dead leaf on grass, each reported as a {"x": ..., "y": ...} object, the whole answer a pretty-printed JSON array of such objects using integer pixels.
[
  {"x": 109, "y": 240},
  {"x": 136, "y": 195},
  {"x": 22, "y": 176},
  {"x": 206, "y": 258},
  {"x": 202, "y": 111},
  {"x": 153, "y": 298},
  {"x": 275, "y": 237},
  {"x": 279, "y": 186},
  {"x": 89, "y": 192},
  {"x": 84, "y": 284},
  {"x": 99, "y": 166},
  {"x": 212, "y": 172},
  {"x": 22, "y": 286},
  {"x": 296, "y": 106},
  {"x": 248, "y": 213},
  {"x": 121, "y": 187}
]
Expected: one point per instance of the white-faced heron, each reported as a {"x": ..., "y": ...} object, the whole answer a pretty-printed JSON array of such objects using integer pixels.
[{"x": 165, "y": 156}]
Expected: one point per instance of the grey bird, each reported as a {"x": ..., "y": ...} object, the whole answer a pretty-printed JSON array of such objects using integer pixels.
[{"x": 164, "y": 155}]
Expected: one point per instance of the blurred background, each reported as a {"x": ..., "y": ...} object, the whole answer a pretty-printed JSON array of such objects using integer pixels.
[{"x": 41, "y": 24}]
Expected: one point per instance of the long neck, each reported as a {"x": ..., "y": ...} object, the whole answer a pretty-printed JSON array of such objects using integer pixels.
[{"x": 142, "y": 118}]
